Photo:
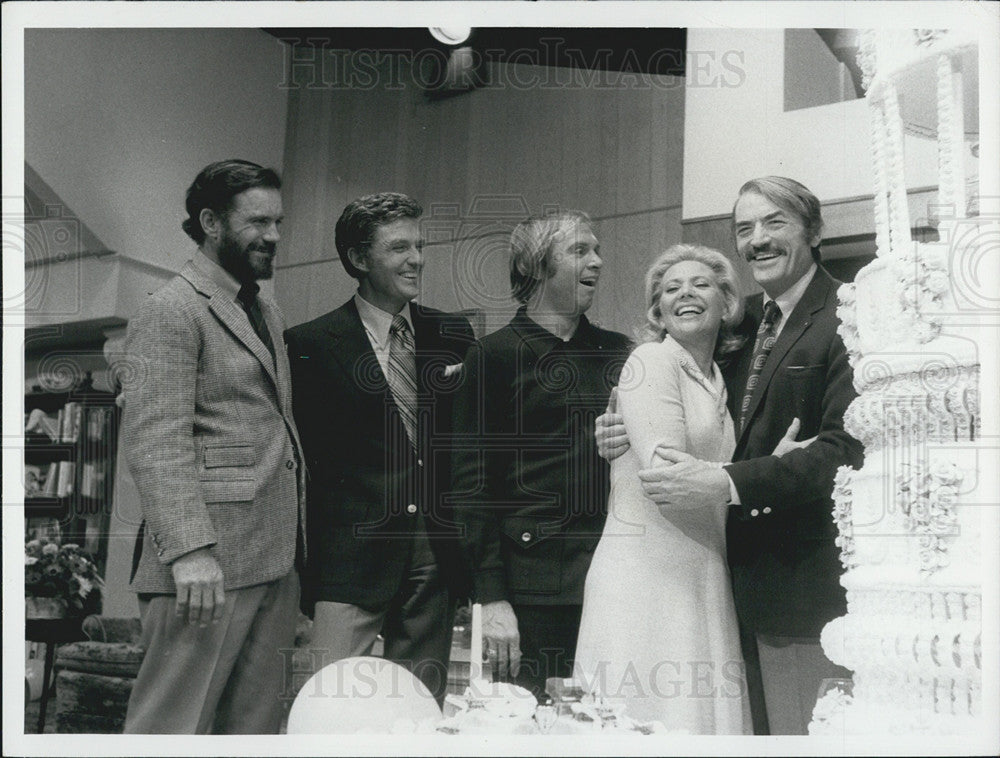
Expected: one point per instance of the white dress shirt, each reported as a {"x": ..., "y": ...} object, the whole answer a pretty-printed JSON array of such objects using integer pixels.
[
  {"x": 377, "y": 323},
  {"x": 788, "y": 299}
]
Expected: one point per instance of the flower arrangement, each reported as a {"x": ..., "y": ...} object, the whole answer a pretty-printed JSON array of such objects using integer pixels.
[{"x": 64, "y": 572}]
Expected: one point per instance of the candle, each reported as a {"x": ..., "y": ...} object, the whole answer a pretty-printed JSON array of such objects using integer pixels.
[{"x": 476, "y": 653}]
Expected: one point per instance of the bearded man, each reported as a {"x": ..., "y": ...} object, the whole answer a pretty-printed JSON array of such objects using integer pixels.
[{"x": 209, "y": 438}]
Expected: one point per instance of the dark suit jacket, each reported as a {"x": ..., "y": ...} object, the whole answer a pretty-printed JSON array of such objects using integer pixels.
[
  {"x": 531, "y": 488},
  {"x": 785, "y": 566},
  {"x": 364, "y": 474}
]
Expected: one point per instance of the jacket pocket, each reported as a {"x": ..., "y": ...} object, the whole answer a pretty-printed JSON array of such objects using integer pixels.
[
  {"x": 220, "y": 456},
  {"x": 533, "y": 552},
  {"x": 801, "y": 396},
  {"x": 232, "y": 491}
]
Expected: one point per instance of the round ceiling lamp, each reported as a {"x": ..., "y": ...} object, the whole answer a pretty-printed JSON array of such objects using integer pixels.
[{"x": 450, "y": 35}]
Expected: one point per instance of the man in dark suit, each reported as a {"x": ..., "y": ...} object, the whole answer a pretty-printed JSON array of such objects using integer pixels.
[
  {"x": 531, "y": 489},
  {"x": 208, "y": 437},
  {"x": 372, "y": 384},
  {"x": 780, "y": 533}
]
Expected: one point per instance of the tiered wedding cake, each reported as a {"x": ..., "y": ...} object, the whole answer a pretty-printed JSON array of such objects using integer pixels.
[{"x": 909, "y": 519}]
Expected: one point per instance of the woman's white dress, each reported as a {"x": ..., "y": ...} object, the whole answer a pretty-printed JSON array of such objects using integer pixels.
[{"x": 659, "y": 625}]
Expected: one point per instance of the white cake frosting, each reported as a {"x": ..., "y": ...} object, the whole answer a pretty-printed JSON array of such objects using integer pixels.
[{"x": 909, "y": 519}]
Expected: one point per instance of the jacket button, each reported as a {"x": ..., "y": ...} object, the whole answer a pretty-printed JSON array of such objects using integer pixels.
[
  {"x": 526, "y": 537},
  {"x": 754, "y": 513},
  {"x": 411, "y": 508},
  {"x": 767, "y": 509},
  {"x": 289, "y": 465}
]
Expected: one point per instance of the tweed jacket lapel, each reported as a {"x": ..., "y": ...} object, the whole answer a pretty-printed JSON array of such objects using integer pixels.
[
  {"x": 799, "y": 322},
  {"x": 235, "y": 319},
  {"x": 276, "y": 325}
]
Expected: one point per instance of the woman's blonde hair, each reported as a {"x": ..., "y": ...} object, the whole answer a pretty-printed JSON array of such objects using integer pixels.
[{"x": 725, "y": 277}]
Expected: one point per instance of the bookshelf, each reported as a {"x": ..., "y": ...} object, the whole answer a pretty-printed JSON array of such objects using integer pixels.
[{"x": 70, "y": 445}]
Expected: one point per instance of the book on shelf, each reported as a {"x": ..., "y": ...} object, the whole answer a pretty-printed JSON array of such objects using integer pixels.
[
  {"x": 51, "y": 480},
  {"x": 64, "y": 483},
  {"x": 72, "y": 415}
]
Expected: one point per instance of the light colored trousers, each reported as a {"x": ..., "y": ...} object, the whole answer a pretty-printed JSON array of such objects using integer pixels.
[
  {"x": 226, "y": 678},
  {"x": 416, "y": 626}
]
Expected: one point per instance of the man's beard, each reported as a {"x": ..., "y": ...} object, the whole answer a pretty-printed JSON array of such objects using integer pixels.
[{"x": 240, "y": 262}]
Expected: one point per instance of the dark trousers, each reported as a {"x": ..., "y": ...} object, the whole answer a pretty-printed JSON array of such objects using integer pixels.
[
  {"x": 755, "y": 682},
  {"x": 548, "y": 643}
]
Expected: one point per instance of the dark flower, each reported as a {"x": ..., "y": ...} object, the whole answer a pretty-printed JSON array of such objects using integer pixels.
[{"x": 64, "y": 572}]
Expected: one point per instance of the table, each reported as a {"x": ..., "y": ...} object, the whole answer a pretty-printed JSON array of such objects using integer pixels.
[{"x": 51, "y": 632}]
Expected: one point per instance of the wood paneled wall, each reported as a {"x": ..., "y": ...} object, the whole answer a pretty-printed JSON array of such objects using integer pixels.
[{"x": 479, "y": 162}]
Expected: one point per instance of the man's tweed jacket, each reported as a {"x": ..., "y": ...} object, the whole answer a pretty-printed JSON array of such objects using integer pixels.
[{"x": 208, "y": 434}]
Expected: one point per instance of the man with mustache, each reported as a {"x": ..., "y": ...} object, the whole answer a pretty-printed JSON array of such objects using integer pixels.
[
  {"x": 373, "y": 382},
  {"x": 531, "y": 490},
  {"x": 208, "y": 436},
  {"x": 780, "y": 533}
]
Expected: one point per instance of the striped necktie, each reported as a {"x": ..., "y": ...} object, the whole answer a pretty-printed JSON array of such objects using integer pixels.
[
  {"x": 402, "y": 374},
  {"x": 766, "y": 335}
]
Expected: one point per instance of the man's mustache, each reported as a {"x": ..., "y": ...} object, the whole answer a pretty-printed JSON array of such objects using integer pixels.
[{"x": 754, "y": 254}]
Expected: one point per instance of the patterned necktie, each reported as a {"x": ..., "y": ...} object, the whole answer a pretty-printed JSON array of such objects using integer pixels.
[
  {"x": 248, "y": 299},
  {"x": 766, "y": 335},
  {"x": 402, "y": 374}
]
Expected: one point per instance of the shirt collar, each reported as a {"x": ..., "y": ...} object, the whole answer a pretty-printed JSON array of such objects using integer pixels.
[
  {"x": 788, "y": 299},
  {"x": 585, "y": 332},
  {"x": 377, "y": 321},
  {"x": 714, "y": 383},
  {"x": 222, "y": 278}
]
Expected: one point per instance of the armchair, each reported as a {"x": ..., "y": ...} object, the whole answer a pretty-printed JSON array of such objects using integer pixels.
[{"x": 95, "y": 677}]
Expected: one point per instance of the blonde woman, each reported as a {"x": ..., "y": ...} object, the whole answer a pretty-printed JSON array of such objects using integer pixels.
[{"x": 659, "y": 626}]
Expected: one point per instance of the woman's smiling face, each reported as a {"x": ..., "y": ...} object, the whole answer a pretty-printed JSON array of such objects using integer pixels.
[{"x": 691, "y": 301}]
